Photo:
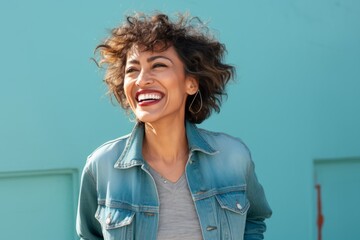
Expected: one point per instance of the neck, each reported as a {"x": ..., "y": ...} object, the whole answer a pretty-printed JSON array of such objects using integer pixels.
[{"x": 165, "y": 142}]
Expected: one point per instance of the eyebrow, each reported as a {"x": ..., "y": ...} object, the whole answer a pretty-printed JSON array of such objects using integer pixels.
[{"x": 150, "y": 59}]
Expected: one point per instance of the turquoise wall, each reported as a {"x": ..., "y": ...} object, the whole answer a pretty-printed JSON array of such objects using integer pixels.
[{"x": 296, "y": 98}]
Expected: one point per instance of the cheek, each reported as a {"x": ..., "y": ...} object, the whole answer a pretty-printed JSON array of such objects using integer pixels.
[{"x": 127, "y": 91}]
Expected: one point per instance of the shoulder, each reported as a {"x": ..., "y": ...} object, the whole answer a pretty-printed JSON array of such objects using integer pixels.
[
  {"x": 232, "y": 156},
  {"x": 225, "y": 143},
  {"x": 107, "y": 153},
  {"x": 230, "y": 150}
]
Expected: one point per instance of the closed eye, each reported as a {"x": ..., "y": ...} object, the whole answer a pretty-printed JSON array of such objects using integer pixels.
[
  {"x": 130, "y": 70},
  {"x": 159, "y": 65}
]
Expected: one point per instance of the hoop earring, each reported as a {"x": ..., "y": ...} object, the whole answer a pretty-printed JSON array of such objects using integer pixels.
[{"x": 198, "y": 93}]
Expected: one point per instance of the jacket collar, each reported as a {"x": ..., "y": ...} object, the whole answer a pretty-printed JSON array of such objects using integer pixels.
[{"x": 132, "y": 153}]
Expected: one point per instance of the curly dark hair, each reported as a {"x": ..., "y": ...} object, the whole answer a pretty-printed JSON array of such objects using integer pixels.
[{"x": 201, "y": 54}]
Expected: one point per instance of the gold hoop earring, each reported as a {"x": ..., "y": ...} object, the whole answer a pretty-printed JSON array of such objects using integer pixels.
[{"x": 198, "y": 93}]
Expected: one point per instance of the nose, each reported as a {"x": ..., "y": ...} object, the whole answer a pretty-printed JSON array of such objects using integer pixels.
[{"x": 143, "y": 79}]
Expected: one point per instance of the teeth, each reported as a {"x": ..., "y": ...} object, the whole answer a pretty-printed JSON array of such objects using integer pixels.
[{"x": 149, "y": 96}]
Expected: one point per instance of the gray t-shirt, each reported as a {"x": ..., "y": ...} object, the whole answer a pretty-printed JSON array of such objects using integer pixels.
[{"x": 178, "y": 219}]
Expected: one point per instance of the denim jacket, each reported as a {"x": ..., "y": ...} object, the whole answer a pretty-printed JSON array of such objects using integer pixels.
[{"x": 118, "y": 197}]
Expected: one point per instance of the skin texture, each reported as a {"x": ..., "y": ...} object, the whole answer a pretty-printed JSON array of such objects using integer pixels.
[{"x": 159, "y": 78}]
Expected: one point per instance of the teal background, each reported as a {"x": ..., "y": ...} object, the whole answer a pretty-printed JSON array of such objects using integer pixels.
[{"x": 296, "y": 99}]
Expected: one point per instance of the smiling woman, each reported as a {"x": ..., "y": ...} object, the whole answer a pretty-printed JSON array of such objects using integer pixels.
[
  {"x": 169, "y": 179},
  {"x": 201, "y": 54},
  {"x": 156, "y": 86}
]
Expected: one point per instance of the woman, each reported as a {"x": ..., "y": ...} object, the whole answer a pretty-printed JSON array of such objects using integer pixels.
[{"x": 168, "y": 179}]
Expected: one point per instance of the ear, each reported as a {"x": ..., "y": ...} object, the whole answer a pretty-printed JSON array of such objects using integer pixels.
[{"x": 192, "y": 85}]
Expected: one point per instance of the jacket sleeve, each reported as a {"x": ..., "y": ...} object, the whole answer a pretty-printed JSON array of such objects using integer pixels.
[
  {"x": 259, "y": 207},
  {"x": 87, "y": 226}
]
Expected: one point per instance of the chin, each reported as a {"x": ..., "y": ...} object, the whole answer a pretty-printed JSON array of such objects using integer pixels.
[
  {"x": 158, "y": 115},
  {"x": 146, "y": 117}
]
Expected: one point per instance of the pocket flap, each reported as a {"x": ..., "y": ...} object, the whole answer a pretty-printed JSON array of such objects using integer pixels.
[
  {"x": 234, "y": 201},
  {"x": 111, "y": 218}
]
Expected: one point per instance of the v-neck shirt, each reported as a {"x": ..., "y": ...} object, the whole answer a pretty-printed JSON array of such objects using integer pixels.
[{"x": 178, "y": 219}]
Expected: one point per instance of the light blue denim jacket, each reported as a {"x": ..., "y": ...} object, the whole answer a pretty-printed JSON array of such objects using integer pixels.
[{"x": 118, "y": 197}]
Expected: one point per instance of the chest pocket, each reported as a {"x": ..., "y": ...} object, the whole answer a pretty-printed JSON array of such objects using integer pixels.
[
  {"x": 116, "y": 223},
  {"x": 234, "y": 201},
  {"x": 231, "y": 211}
]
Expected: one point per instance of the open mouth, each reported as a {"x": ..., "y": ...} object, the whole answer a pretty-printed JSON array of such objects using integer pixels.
[{"x": 148, "y": 97}]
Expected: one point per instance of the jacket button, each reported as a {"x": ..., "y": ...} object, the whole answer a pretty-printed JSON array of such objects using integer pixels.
[
  {"x": 108, "y": 219},
  {"x": 210, "y": 228},
  {"x": 238, "y": 206}
]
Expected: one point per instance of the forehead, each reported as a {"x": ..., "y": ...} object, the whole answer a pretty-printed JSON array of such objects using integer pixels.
[{"x": 136, "y": 52}]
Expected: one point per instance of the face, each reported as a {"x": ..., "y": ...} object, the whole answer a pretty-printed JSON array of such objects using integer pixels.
[{"x": 156, "y": 85}]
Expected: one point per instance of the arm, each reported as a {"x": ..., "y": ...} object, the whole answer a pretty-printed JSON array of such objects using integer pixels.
[
  {"x": 87, "y": 227},
  {"x": 259, "y": 207}
]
